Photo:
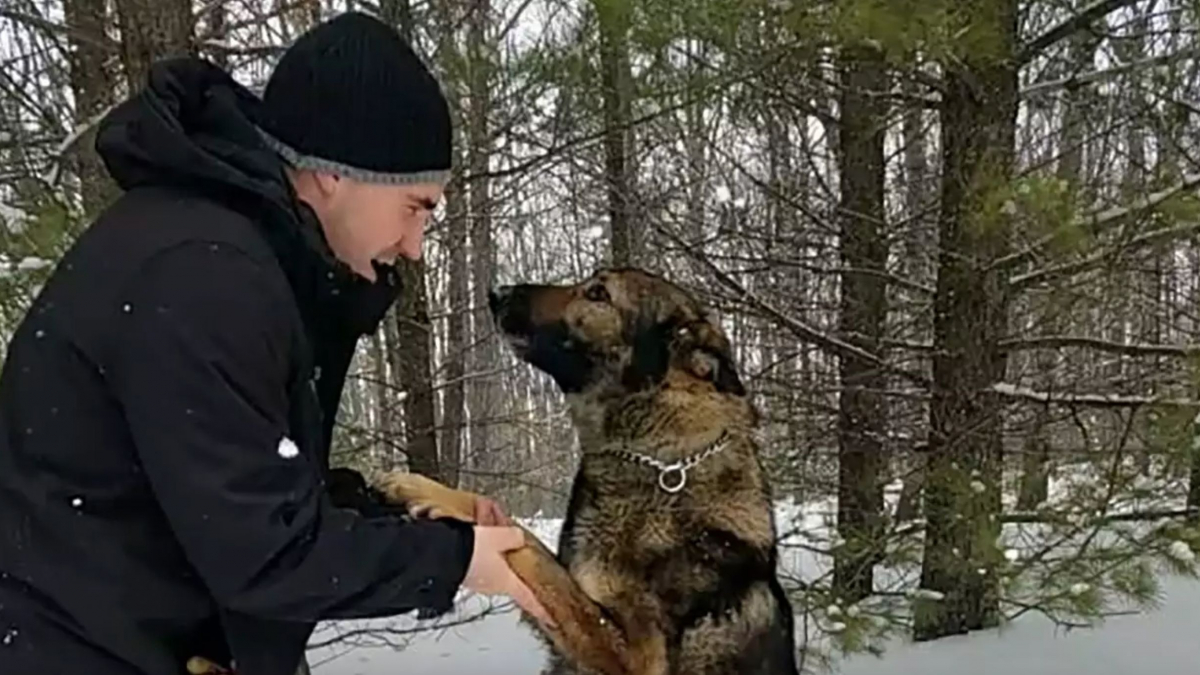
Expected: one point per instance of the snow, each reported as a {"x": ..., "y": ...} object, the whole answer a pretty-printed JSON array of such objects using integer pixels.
[
  {"x": 29, "y": 263},
  {"x": 12, "y": 217},
  {"x": 484, "y": 635},
  {"x": 1180, "y": 551},
  {"x": 1113, "y": 400},
  {"x": 1161, "y": 642}
]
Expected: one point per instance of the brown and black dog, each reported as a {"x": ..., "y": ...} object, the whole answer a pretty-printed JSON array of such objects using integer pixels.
[{"x": 667, "y": 557}]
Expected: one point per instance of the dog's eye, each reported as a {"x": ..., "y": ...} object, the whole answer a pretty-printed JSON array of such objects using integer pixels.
[{"x": 597, "y": 293}]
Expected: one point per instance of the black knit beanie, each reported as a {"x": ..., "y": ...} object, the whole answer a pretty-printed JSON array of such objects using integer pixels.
[{"x": 352, "y": 98}]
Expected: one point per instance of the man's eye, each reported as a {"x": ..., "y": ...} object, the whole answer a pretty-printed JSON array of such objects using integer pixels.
[{"x": 597, "y": 293}]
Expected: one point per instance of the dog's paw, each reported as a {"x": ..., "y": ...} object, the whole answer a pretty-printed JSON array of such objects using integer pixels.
[
  {"x": 423, "y": 497},
  {"x": 198, "y": 665}
]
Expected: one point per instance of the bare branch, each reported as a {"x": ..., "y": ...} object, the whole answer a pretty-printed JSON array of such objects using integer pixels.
[
  {"x": 1090, "y": 400},
  {"x": 1094, "y": 76},
  {"x": 1069, "y": 27},
  {"x": 73, "y": 138},
  {"x": 1128, "y": 349},
  {"x": 222, "y": 47},
  {"x": 1132, "y": 517},
  {"x": 53, "y": 28},
  {"x": 797, "y": 327}
]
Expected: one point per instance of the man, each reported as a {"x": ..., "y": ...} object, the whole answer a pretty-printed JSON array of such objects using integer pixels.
[{"x": 166, "y": 407}]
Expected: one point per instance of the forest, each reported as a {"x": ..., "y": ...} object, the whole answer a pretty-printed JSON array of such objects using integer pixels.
[{"x": 955, "y": 244}]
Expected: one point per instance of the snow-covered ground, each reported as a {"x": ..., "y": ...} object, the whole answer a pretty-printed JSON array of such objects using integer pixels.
[
  {"x": 1160, "y": 642},
  {"x": 1163, "y": 642}
]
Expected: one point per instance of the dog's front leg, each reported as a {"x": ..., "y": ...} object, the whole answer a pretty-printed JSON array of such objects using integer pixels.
[{"x": 584, "y": 634}]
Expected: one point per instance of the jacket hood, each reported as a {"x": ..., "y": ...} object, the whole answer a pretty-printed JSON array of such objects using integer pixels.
[{"x": 194, "y": 128}]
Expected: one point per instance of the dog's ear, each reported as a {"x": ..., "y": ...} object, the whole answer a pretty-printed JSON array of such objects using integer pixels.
[
  {"x": 721, "y": 372},
  {"x": 651, "y": 354},
  {"x": 706, "y": 356}
]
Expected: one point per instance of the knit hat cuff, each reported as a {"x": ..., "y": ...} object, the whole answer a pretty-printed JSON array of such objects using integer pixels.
[{"x": 302, "y": 161}]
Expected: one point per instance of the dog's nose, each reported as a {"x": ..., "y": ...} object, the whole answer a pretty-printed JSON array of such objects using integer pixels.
[{"x": 498, "y": 297}]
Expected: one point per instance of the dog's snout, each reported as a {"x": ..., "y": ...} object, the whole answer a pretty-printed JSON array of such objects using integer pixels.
[{"x": 498, "y": 297}]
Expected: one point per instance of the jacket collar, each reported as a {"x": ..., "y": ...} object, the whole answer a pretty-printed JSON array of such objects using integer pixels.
[{"x": 193, "y": 127}]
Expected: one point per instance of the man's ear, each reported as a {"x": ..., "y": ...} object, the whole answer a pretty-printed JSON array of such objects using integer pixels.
[
  {"x": 651, "y": 355},
  {"x": 326, "y": 182}
]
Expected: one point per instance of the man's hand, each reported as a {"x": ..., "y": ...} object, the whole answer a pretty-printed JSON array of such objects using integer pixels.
[
  {"x": 489, "y": 513},
  {"x": 490, "y": 574}
]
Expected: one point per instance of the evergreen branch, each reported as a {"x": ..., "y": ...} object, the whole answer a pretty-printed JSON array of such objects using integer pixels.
[
  {"x": 1099, "y": 220},
  {"x": 1090, "y": 14},
  {"x": 1028, "y": 279},
  {"x": 1024, "y": 608}
]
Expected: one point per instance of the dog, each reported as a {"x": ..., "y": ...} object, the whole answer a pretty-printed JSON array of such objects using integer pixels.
[{"x": 667, "y": 558}]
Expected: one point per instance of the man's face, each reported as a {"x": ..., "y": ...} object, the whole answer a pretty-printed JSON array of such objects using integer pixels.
[{"x": 368, "y": 221}]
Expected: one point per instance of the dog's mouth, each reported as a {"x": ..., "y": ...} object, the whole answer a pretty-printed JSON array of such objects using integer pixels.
[
  {"x": 545, "y": 346},
  {"x": 511, "y": 312}
]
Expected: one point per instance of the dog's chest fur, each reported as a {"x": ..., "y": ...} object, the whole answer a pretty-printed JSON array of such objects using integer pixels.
[{"x": 688, "y": 558}]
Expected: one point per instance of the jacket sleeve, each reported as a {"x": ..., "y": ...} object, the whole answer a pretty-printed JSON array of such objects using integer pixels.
[{"x": 200, "y": 369}]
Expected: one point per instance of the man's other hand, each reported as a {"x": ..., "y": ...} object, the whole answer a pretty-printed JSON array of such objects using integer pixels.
[
  {"x": 489, "y": 573},
  {"x": 489, "y": 514}
]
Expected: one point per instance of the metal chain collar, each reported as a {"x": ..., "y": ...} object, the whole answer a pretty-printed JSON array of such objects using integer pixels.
[{"x": 677, "y": 468}]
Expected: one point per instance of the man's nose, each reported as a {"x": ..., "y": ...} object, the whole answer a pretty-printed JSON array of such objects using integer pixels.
[{"x": 412, "y": 245}]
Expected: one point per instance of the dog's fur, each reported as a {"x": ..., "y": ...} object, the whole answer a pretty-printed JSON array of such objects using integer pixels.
[{"x": 655, "y": 583}]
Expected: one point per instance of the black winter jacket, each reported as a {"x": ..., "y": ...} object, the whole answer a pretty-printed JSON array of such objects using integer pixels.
[{"x": 165, "y": 417}]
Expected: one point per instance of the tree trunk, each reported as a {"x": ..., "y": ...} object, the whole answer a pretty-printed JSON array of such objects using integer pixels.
[
  {"x": 963, "y": 487},
  {"x": 381, "y": 448},
  {"x": 617, "y": 86},
  {"x": 412, "y": 357},
  {"x": 1035, "y": 461},
  {"x": 216, "y": 29},
  {"x": 93, "y": 88},
  {"x": 919, "y": 244},
  {"x": 485, "y": 401},
  {"x": 861, "y": 418},
  {"x": 454, "y": 410},
  {"x": 454, "y": 402},
  {"x": 152, "y": 30}
]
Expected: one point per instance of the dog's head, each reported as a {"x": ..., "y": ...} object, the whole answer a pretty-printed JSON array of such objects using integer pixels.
[{"x": 620, "y": 331}]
